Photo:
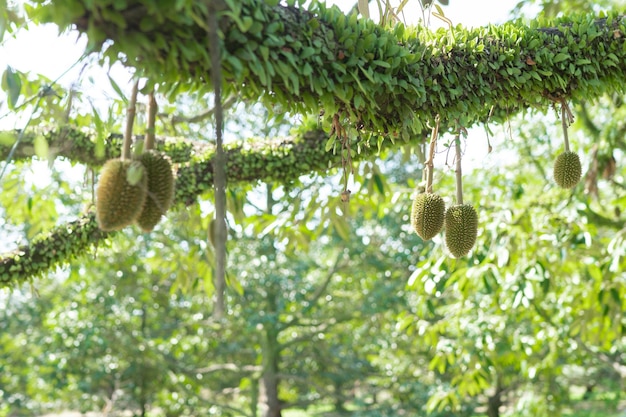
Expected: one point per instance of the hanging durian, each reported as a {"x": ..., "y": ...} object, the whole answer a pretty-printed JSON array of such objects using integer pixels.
[
  {"x": 461, "y": 229},
  {"x": 567, "y": 166},
  {"x": 427, "y": 215},
  {"x": 461, "y": 220},
  {"x": 428, "y": 208},
  {"x": 121, "y": 193},
  {"x": 567, "y": 169},
  {"x": 160, "y": 189}
]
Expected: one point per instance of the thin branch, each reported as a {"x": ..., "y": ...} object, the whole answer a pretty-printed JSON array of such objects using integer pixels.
[
  {"x": 228, "y": 367},
  {"x": 318, "y": 328},
  {"x": 200, "y": 117},
  {"x": 312, "y": 302}
]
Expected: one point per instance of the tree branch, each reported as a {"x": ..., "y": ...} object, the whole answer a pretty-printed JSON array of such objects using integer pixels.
[
  {"x": 174, "y": 119},
  {"x": 281, "y": 161},
  {"x": 382, "y": 81},
  {"x": 319, "y": 292}
]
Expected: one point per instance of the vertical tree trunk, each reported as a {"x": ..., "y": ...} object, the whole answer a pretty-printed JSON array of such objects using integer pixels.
[
  {"x": 270, "y": 379},
  {"x": 254, "y": 396},
  {"x": 494, "y": 402},
  {"x": 338, "y": 402}
]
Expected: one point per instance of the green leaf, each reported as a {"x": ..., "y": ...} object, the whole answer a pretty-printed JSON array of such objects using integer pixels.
[
  {"x": 12, "y": 84},
  {"x": 41, "y": 147},
  {"x": 560, "y": 57},
  {"x": 117, "y": 89}
]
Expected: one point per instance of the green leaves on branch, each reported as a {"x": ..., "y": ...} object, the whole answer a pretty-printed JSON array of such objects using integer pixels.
[
  {"x": 271, "y": 161},
  {"x": 46, "y": 251},
  {"x": 381, "y": 82}
]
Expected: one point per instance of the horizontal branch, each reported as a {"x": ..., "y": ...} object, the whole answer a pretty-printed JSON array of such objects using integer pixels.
[
  {"x": 60, "y": 246},
  {"x": 281, "y": 161},
  {"x": 380, "y": 81}
]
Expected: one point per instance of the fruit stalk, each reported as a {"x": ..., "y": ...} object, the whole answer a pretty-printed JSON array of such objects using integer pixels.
[
  {"x": 150, "y": 132},
  {"x": 459, "y": 173},
  {"x": 430, "y": 166},
  {"x": 564, "y": 123},
  {"x": 130, "y": 120}
]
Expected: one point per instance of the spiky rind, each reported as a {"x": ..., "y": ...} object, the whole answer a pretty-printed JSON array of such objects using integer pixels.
[
  {"x": 160, "y": 189},
  {"x": 118, "y": 203},
  {"x": 427, "y": 215},
  {"x": 461, "y": 229},
  {"x": 567, "y": 169}
]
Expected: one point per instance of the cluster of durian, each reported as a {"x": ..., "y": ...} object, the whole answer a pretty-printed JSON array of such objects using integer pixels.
[
  {"x": 429, "y": 216},
  {"x": 136, "y": 191}
]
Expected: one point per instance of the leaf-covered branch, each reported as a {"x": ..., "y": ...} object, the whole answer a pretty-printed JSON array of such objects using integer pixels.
[
  {"x": 280, "y": 161},
  {"x": 46, "y": 251},
  {"x": 380, "y": 81}
]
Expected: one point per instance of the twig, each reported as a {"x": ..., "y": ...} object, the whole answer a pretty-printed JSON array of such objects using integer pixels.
[{"x": 176, "y": 119}]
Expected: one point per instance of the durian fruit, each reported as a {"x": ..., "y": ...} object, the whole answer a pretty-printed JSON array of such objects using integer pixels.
[
  {"x": 160, "y": 189},
  {"x": 427, "y": 215},
  {"x": 461, "y": 223},
  {"x": 567, "y": 169},
  {"x": 121, "y": 193}
]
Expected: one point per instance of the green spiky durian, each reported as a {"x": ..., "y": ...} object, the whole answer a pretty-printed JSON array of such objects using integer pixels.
[
  {"x": 160, "y": 189},
  {"x": 121, "y": 193},
  {"x": 567, "y": 169},
  {"x": 427, "y": 215},
  {"x": 461, "y": 229}
]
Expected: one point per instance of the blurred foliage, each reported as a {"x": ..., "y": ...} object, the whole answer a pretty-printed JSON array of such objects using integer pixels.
[{"x": 338, "y": 304}]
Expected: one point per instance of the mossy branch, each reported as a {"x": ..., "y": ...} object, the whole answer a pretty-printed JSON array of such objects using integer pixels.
[
  {"x": 381, "y": 81},
  {"x": 46, "y": 251},
  {"x": 280, "y": 161}
]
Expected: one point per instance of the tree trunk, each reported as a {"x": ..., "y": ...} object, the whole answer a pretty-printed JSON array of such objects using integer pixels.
[
  {"x": 270, "y": 380},
  {"x": 254, "y": 396},
  {"x": 338, "y": 402},
  {"x": 494, "y": 402}
]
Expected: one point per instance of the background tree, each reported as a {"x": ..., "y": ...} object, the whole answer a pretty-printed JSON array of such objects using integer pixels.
[{"x": 318, "y": 316}]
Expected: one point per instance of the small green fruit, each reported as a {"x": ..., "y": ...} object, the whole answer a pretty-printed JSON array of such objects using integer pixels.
[
  {"x": 567, "y": 169},
  {"x": 461, "y": 229},
  {"x": 427, "y": 215},
  {"x": 160, "y": 189},
  {"x": 118, "y": 201}
]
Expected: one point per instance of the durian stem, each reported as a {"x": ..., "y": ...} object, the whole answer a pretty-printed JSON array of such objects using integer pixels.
[
  {"x": 459, "y": 173},
  {"x": 564, "y": 124},
  {"x": 430, "y": 166},
  {"x": 130, "y": 120},
  {"x": 150, "y": 132},
  {"x": 218, "y": 168}
]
